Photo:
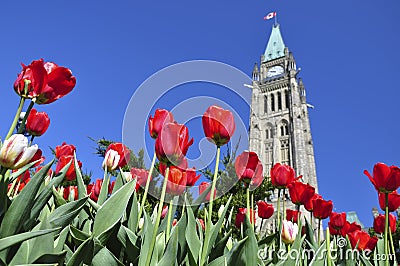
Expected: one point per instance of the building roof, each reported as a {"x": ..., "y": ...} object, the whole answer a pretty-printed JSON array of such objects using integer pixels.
[
  {"x": 276, "y": 46},
  {"x": 353, "y": 217}
]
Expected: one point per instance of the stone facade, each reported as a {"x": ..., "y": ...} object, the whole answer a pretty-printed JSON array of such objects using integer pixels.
[{"x": 279, "y": 122}]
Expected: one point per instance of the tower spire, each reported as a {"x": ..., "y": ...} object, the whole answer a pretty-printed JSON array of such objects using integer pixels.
[{"x": 276, "y": 46}]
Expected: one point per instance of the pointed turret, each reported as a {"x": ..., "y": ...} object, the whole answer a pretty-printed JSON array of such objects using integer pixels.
[
  {"x": 276, "y": 46},
  {"x": 255, "y": 72}
]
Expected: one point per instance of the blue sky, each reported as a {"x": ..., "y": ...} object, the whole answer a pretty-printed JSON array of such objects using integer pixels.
[{"x": 347, "y": 50}]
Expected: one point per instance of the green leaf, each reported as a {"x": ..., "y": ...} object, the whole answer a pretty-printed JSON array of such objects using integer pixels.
[
  {"x": 64, "y": 215},
  {"x": 83, "y": 216},
  {"x": 111, "y": 212},
  {"x": 129, "y": 241},
  {"x": 191, "y": 235},
  {"x": 22, "y": 170},
  {"x": 105, "y": 257},
  {"x": 84, "y": 253},
  {"x": 147, "y": 232},
  {"x": 60, "y": 240},
  {"x": 319, "y": 257},
  {"x": 234, "y": 255},
  {"x": 217, "y": 227},
  {"x": 171, "y": 251},
  {"x": 219, "y": 248},
  {"x": 77, "y": 235},
  {"x": 51, "y": 259},
  {"x": 104, "y": 189},
  {"x": 133, "y": 214},
  {"x": 21, "y": 206},
  {"x": 250, "y": 246},
  {"x": 119, "y": 181},
  {"x": 42, "y": 200},
  {"x": 15, "y": 239},
  {"x": 58, "y": 200}
]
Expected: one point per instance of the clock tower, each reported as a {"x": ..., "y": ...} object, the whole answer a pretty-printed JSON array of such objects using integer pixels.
[{"x": 279, "y": 123}]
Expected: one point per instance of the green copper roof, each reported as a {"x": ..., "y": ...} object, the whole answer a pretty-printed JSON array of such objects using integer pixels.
[
  {"x": 353, "y": 217},
  {"x": 276, "y": 46}
]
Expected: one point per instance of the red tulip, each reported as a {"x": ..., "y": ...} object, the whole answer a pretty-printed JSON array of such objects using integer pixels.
[
  {"x": 47, "y": 82},
  {"x": 240, "y": 216},
  {"x": 65, "y": 149},
  {"x": 349, "y": 228},
  {"x": 16, "y": 153},
  {"x": 385, "y": 179},
  {"x": 282, "y": 175},
  {"x": 111, "y": 187},
  {"x": 176, "y": 183},
  {"x": 201, "y": 221},
  {"x": 264, "y": 209},
  {"x": 218, "y": 125},
  {"x": 322, "y": 208},
  {"x": 156, "y": 123},
  {"x": 70, "y": 193},
  {"x": 364, "y": 240},
  {"x": 141, "y": 177},
  {"x": 379, "y": 223},
  {"x": 309, "y": 206},
  {"x": 336, "y": 222},
  {"x": 94, "y": 189},
  {"x": 22, "y": 180},
  {"x": 292, "y": 215},
  {"x": 248, "y": 167},
  {"x": 300, "y": 193},
  {"x": 203, "y": 186},
  {"x": 117, "y": 155},
  {"x": 164, "y": 212},
  {"x": 37, "y": 157},
  {"x": 63, "y": 161},
  {"x": 182, "y": 166},
  {"x": 37, "y": 123},
  {"x": 191, "y": 177},
  {"x": 172, "y": 143},
  {"x": 394, "y": 201}
]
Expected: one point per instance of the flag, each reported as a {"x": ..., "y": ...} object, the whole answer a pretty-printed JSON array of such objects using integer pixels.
[{"x": 270, "y": 15}]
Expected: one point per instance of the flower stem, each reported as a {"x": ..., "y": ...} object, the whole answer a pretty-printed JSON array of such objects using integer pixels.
[
  {"x": 252, "y": 207},
  {"x": 22, "y": 126},
  {"x": 328, "y": 247},
  {"x": 169, "y": 219},
  {"x": 209, "y": 216},
  {"x": 386, "y": 227},
  {"x": 391, "y": 242},
  {"x": 279, "y": 208},
  {"x": 146, "y": 189},
  {"x": 248, "y": 203},
  {"x": 319, "y": 231},
  {"x": 283, "y": 203},
  {"x": 158, "y": 218},
  {"x": 214, "y": 183},
  {"x": 17, "y": 114}
]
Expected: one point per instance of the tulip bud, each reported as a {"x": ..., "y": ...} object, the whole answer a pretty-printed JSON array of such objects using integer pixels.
[
  {"x": 229, "y": 243},
  {"x": 221, "y": 210},
  {"x": 111, "y": 160},
  {"x": 141, "y": 223},
  {"x": 289, "y": 232},
  {"x": 37, "y": 123},
  {"x": 15, "y": 152}
]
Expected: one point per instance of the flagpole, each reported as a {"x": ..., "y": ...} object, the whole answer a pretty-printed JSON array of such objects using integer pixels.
[{"x": 276, "y": 15}]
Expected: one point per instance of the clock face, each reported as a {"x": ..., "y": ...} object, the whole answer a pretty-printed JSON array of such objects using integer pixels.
[{"x": 275, "y": 70}]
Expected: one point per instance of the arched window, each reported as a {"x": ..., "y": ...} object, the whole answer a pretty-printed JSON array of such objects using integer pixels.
[
  {"x": 272, "y": 103},
  {"x": 265, "y": 104},
  {"x": 279, "y": 101},
  {"x": 287, "y": 104}
]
